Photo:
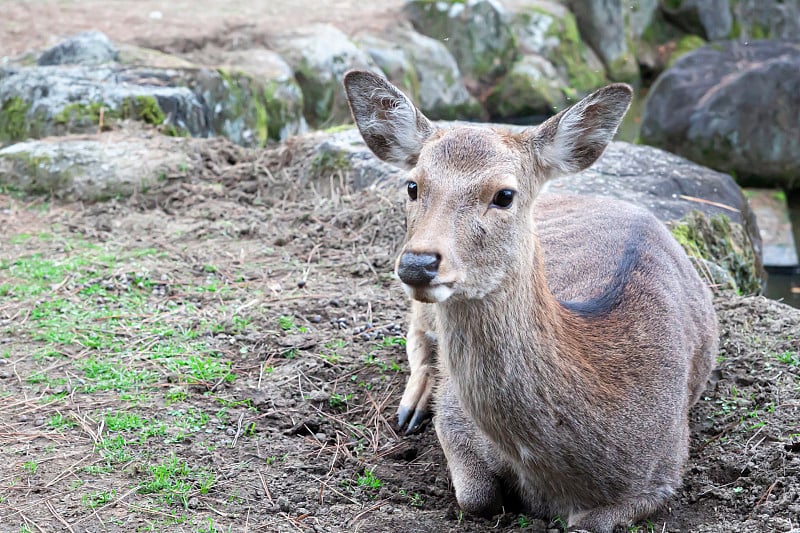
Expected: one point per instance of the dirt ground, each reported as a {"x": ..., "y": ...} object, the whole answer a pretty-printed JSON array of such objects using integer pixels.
[
  {"x": 178, "y": 25},
  {"x": 224, "y": 353}
]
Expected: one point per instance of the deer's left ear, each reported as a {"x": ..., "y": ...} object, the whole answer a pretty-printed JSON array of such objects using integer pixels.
[
  {"x": 575, "y": 138},
  {"x": 393, "y": 128}
]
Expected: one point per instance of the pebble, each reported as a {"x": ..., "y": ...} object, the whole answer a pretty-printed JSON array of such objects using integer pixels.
[
  {"x": 38, "y": 422},
  {"x": 284, "y": 504},
  {"x": 230, "y": 432},
  {"x": 23, "y": 418},
  {"x": 5, "y": 374}
]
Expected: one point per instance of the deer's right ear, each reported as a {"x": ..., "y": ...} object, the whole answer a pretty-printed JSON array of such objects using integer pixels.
[{"x": 388, "y": 121}]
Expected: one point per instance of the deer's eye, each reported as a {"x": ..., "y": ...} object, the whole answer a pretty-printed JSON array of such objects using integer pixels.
[
  {"x": 412, "y": 190},
  {"x": 503, "y": 198}
]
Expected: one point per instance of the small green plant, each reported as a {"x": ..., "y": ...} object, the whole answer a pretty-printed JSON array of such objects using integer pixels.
[
  {"x": 286, "y": 323},
  {"x": 337, "y": 401},
  {"x": 30, "y": 467},
  {"x": 414, "y": 500},
  {"x": 96, "y": 499},
  {"x": 59, "y": 421},
  {"x": 369, "y": 480},
  {"x": 523, "y": 521},
  {"x": 789, "y": 357}
]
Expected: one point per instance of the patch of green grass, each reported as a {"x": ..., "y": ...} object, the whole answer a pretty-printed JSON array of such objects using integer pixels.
[
  {"x": 174, "y": 479},
  {"x": 59, "y": 421},
  {"x": 789, "y": 357},
  {"x": 123, "y": 421},
  {"x": 30, "y": 467},
  {"x": 286, "y": 323},
  {"x": 98, "y": 498}
]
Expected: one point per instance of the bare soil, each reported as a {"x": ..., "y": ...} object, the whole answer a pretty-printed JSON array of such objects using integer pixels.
[
  {"x": 287, "y": 281},
  {"x": 179, "y": 25}
]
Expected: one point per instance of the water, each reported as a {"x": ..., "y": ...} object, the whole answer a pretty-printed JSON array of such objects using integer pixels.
[{"x": 784, "y": 284}]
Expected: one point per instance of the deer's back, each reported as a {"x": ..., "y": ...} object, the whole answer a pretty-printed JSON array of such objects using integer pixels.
[{"x": 609, "y": 258}]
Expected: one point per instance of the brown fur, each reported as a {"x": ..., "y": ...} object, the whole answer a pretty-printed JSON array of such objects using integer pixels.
[{"x": 573, "y": 333}]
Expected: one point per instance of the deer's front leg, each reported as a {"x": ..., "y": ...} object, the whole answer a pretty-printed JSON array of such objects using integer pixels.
[{"x": 421, "y": 349}]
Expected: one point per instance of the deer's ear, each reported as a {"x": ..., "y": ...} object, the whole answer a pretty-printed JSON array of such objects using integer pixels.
[
  {"x": 388, "y": 121},
  {"x": 575, "y": 138}
]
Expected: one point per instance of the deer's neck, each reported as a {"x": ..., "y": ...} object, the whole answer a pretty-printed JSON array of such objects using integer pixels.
[{"x": 517, "y": 353}]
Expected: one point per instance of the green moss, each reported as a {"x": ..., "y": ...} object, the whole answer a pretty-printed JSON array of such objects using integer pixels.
[
  {"x": 684, "y": 46},
  {"x": 14, "y": 119},
  {"x": 171, "y": 130},
  {"x": 143, "y": 108},
  {"x": 672, "y": 4},
  {"x": 571, "y": 52},
  {"x": 337, "y": 129},
  {"x": 736, "y": 29},
  {"x": 723, "y": 243},
  {"x": 757, "y": 31},
  {"x": 34, "y": 174}
]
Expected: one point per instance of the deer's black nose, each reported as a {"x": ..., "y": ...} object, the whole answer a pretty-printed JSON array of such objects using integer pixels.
[{"x": 418, "y": 269}]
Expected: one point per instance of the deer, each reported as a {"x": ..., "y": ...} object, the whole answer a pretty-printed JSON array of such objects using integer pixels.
[{"x": 571, "y": 334}]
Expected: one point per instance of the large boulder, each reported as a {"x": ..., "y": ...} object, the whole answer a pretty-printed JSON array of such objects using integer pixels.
[
  {"x": 319, "y": 55},
  {"x": 86, "y": 48},
  {"x": 92, "y": 167},
  {"x": 425, "y": 69},
  {"x": 531, "y": 88},
  {"x": 604, "y": 25},
  {"x": 706, "y": 210},
  {"x": 548, "y": 29},
  {"x": 477, "y": 33},
  {"x": 41, "y": 101},
  {"x": 281, "y": 97},
  {"x": 711, "y": 19},
  {"x": 734, "y": 107},
  {"x": 766, "y": 19}
]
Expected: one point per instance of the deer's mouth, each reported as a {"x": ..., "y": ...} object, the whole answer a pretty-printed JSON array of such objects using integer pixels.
[{"x": 430, "y": 294}]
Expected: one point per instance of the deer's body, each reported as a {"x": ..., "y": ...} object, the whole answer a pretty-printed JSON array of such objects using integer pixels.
[{"x": 573, "y": 334}]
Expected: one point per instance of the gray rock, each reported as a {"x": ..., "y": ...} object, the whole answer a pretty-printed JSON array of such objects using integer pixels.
[
  {"x": 86, "y": 48},
  {"x": 283, "y": 98},
  {"x": 641, "y": 16},
  {"x": 477, "y": 33},
  {"x": 672, "y": 188},
  {"x": 92, "y": 167},
  {"x": 711, "y": 19},
  {"x": 340, "y": 153},
  {"x": 319, "y": 55},
  {"x": 734, "y": 107},
  {"x": 547, "y": 29},
  {"x": 394, "y": 61},
  {"x": 41, "y": 101},
  {"x": 602, "y": 24},
  {"x": 439, "y": 89},
  {"x": 766, "y": 19},
  {"x": 531, "y": 87}
]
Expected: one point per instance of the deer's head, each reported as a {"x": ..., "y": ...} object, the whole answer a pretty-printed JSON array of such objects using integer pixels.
[{"x": 471, "y": 189}]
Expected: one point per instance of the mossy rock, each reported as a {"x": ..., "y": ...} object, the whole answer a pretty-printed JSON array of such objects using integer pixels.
[
  {"x": 552, "y": 32},
  {"x": 718, "y": 241},
  {"x": 685, "y": 45},
  {"x": 477, "y": 33},
  {"x": 531, "y": 88}
]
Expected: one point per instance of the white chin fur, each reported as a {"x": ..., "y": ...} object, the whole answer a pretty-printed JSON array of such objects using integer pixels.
[{"x": 436, "y": 294}]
